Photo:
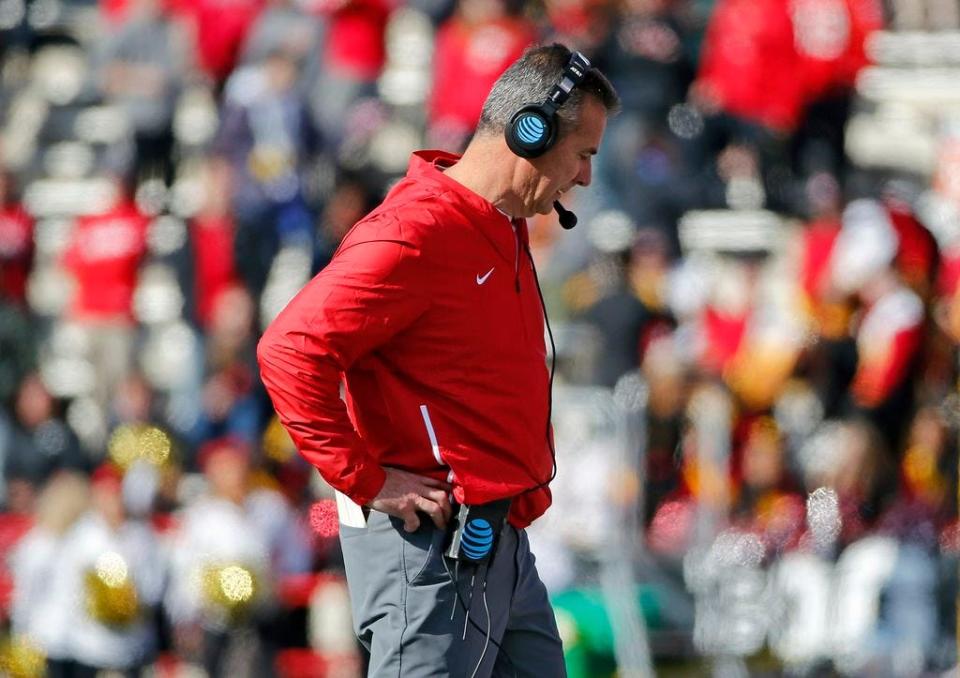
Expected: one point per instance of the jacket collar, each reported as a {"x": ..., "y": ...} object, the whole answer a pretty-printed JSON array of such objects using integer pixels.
[{"x": 428, "y": 165}]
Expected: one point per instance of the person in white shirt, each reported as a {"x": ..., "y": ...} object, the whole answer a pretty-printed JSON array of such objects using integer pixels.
[
  {"x": 42, "y": 605},
  {"x": 116, "y": 577},
  {"x": 224, "y": 564}
]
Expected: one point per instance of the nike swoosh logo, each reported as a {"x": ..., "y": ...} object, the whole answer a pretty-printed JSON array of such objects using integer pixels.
[{"x": 483, "y": 278}]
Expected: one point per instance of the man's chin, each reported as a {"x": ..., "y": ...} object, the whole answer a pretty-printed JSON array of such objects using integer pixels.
[{"x": 546, "y": 208}]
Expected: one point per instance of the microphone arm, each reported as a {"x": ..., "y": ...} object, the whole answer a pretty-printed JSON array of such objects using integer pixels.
[{"x": 567, "y": 218}]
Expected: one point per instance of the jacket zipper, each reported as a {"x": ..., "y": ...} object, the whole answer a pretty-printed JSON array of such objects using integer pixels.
[
  {"x": 431, "y": 433},
  {"x": 434, "y": 445}
]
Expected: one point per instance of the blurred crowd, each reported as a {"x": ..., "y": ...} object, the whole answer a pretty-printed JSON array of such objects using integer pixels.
[{"x": 773, "y": 279}]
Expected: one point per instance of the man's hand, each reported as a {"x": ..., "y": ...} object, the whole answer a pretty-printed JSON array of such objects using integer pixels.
[{"x": 403, "y": 494}]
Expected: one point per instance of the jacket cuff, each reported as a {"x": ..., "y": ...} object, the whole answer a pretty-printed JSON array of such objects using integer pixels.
[{"x": 366, "y": 484}]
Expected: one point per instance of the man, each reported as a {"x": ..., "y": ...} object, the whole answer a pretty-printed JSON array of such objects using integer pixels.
[{"x": 430, "y": 309}]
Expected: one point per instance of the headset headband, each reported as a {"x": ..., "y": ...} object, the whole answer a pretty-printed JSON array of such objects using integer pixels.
[{"x": 573, "y": 74}]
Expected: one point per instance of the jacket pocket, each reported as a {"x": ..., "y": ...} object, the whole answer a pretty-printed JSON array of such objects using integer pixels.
[{"x": 423, "y": 556}]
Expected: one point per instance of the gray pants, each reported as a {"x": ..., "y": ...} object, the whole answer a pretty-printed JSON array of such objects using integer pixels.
[{"x": 403, "y": 597}]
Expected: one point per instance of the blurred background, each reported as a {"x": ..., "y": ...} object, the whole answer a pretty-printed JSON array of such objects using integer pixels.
[{"x": 757, "y": 321}]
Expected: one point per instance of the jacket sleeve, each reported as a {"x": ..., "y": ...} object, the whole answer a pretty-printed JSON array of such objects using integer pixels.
[{"x": 366, "y": 295}]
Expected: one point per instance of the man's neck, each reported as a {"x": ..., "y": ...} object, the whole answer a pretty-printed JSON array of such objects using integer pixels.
[{"x": 482, "y": 169}]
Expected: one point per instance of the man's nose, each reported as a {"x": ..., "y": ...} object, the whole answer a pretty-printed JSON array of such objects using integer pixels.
[{"x": 586, "y": 171}]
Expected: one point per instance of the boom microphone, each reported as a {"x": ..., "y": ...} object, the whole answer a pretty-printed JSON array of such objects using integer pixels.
[{"x": 567, "y": 218}]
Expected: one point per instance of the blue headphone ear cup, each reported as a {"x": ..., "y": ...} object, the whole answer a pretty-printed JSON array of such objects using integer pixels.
[{"x": 531, "y": 131}]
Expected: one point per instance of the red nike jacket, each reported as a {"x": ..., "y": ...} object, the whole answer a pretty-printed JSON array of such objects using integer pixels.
[{"x": 429, "y": 312}]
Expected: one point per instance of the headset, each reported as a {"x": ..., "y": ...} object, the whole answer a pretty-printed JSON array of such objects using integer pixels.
[{"x": 532, "y": 130}]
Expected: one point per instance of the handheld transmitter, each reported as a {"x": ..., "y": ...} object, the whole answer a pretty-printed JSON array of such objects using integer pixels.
[{"x": 473, "y": 533}]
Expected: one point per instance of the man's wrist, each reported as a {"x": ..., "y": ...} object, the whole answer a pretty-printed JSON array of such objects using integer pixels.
[{"x": 368, "y": 485}]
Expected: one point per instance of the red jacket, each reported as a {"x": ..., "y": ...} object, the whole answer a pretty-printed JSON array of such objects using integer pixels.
[{"x": 429, "y": 310}]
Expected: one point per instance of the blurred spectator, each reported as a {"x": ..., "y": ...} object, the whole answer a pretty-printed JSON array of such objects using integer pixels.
[
  {"x": 768, "y": 503},
  {"x": 39, "y": 442},
  {"x": 753, "y": 49},
  {"x": 217, "y": 29},
  {"x": 667, "y": 379},
  {"x": 267, "y": 136},
  {"x": 16, "y": 244},
  {"x": 645, "y": 56},
  {"x": 231, "y": 398},
  {"x": 604, "y": 296},
  {"x": 103, "y": 257},
  {"x": 857, "y": 464},
  {"x": 115, "y": 576},
  {"x": 890, "y": 331},
  {"x": 748, "y": 56},
  {"x": 829, "y": 362},
  {"x": 473, "y": 48},
  {"x": 142, "y": 67},
  {"x": 212, "y": 233},
  {"x": 132, "y": 401},
  {"x": 771, "y": 69},
  {"x": 222, "y": 569},
  {"x": 888, "y": 342},
  {"x": 283, "y": 25},
  {"x": 817, "y": 240},
  {"x": 44, "y": 603},
  {"x": 352, "y": 55},
  {"x": 643, "y": 159},
  {"x": 920, "y": 510}
]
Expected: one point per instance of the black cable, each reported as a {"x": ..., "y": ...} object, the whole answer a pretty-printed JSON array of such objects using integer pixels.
[
  {"x": 486, "y": 642},
  {"x": 466, "y": 617},
  {"x": 466, "y": 610},
  {"x": 553, "y": 368}
]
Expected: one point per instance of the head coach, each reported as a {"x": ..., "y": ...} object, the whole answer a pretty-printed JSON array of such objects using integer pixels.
[{"x": 441, "y": 451}]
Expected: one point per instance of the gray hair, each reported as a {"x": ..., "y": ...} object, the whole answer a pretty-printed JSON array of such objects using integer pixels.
[{"x": 528, "y": 81}]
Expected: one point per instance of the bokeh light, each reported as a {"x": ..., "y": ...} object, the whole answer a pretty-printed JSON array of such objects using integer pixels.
[
  {"x": 130, "y": 442},
  {"x": 112, "y": 569},
  {"x": 685, "y": 121},
  {"x": 823, "y": 516},
  {"x": 235, "y": 584},
  {"x": 324, "y": 520}
]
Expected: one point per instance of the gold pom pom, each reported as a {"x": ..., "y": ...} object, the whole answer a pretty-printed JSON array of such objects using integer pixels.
[
  {"x": 231, "y": 588},
  {"x": 111, "y": 596},
  {"x": 130, "y": 442},
  {"x": 20, "y": 658}
]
